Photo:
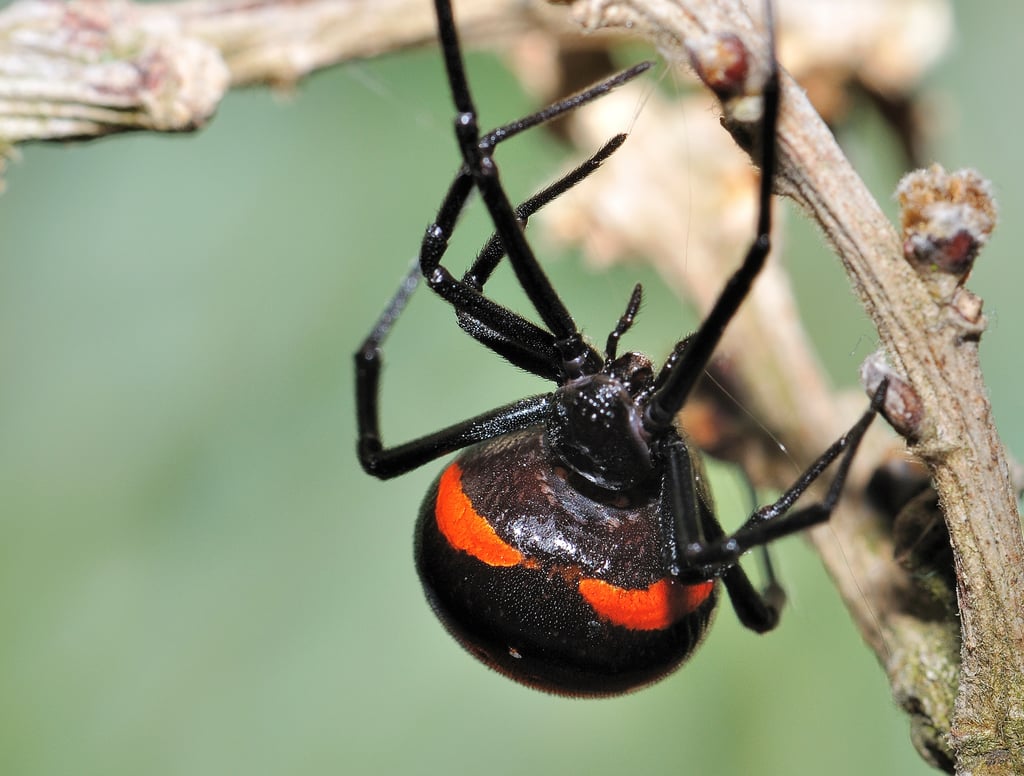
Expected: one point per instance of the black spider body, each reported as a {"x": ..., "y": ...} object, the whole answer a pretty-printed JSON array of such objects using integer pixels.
[{"x": 572, "y": 544}]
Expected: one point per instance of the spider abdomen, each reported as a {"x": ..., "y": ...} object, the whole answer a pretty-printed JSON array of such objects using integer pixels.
[{"x": 555, "y": 588}]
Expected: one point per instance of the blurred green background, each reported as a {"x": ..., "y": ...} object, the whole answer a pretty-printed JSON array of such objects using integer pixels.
[{"x": 195, "y": 576}]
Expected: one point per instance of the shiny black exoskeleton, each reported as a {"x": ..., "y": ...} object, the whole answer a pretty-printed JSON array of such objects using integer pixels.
[{"x": 572, "y": 544}]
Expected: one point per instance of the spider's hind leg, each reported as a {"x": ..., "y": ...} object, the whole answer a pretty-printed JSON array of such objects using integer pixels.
[{"x": 701, "y": 549}]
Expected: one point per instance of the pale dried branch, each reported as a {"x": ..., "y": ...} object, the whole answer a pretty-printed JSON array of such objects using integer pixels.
[
  {"x": 94, "y": 67},
  {"x": 932, "y": 341}
]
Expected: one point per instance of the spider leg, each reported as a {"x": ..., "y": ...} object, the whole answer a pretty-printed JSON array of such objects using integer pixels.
[
  {"x": 778, "y": 519},
  {"x": 688, "y": 521},
  {"x": 435, "y": 240},
  {"x": 756, "y": 609},
  {"x": 385, "y": 462},
  {"x": 677, "y": 383},
  {"x": 465, "y": 298},
  {"x": 514, "y": 338},
  {"x": 611, "y": 348},
  {"x": 477, "y": 155},
  {"x": 695, "y": 535},
  {"x": 520, "y": 341},
  {"x": 570, "y": 103},
  {"x": 504, "y": 332},
  {"x": 494, "y": 251},
  {"x": 697, "y": 548},
  {"x": 545, "y": 364}
]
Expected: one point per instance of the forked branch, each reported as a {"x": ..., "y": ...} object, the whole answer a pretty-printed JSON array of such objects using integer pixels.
[{"x": 929, "y": 331}]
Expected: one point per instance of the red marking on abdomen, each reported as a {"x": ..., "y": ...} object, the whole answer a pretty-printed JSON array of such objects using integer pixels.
[
  {"x": 464, "y": 528},
  {"x": 655, "y": 608}
]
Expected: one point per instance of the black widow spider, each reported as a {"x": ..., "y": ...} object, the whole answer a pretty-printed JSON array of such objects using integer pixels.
[{"x": 572, "y": 545}]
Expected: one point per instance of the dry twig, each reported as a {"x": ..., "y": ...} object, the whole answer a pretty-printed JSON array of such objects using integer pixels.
[
  {"x": 929, "y": 331},
  {"x": 87, "y": 68}
]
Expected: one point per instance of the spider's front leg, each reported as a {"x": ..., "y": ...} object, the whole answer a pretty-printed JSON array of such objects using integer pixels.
[{"x": 518, "y": 340}]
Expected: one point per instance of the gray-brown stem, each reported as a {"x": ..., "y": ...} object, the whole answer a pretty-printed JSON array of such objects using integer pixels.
[{"x": 934, "y": 345}]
